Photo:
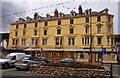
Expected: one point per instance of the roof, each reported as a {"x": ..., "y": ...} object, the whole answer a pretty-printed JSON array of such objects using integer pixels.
[{"x": 66, "y": 16}]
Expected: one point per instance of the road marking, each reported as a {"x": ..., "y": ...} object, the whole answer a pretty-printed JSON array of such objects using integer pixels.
[{"x": 8, "y": 69}]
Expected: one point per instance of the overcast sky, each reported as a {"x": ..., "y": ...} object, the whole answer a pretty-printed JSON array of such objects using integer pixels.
[{"x": 16, "y": 6}]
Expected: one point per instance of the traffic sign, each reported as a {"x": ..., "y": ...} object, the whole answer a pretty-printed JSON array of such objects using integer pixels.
[{"x": 103, "y": 50}]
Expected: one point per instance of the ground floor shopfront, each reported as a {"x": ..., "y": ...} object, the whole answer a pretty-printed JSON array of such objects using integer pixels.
[{"x": 57, "y": 54}]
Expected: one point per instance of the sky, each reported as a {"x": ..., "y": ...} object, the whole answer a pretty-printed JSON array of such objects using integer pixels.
[{"x": 16, "y": 6}]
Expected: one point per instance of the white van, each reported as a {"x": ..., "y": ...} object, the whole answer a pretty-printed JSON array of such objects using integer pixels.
[{"x": 10, "y": 59}]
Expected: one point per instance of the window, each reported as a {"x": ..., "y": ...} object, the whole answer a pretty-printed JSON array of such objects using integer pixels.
[
  {"x": 109, "y": 29},
  {"x": 71, "y": 30},
  {"x": 34, "y": 41},
  {"x": 13, "y": 42},
  {"x": 59, "y": 22},
  {"x": 86, "y": 40},
  {"x": 58, "y": 41},
  {"x": 16, "y": 42},
  {"x": 99, "y": 40},
  {"x": 44, "y": 42},
  {"x": 58, "y": 31},
  {"x": 35, "y": 33},
  {"x": 112, "y": 41},
  {"x": 17, "y": 26},
  {"x": 45, "y": 32},
  {"x": 13, "y": 58},
  {"x": 108, "y": 40},
  {"x": 23, "y": 42},
  {"x": 108, "y": 18},
  {"x": 16, "y": 33},
  {"x": 81, "y": 55},
  {"x": 36, "y": 24},
  {"x": 46, "y": 23},
  {"x": 24, "y": 33},
  {"x": 83, "y": 41},
  {"x": 25, "y": 25},
  {"x": 87, "y": 29},
  {"x": 71, "y": 21},
  {"x": 71, "y": 41},
  {"x": 98, "y": 18},
  {"x": 87, "y": 19},
  {"x": 99, "y": 29}
]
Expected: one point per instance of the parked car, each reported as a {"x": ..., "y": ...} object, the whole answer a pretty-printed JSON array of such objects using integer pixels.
[
  {"x": 67, "y": 60},
  {"x": 10, "y": 59},
  {"x": 26, "y": 61},
  {"x": 1, "y": 57},
  {"x": 44, "y": 59}
]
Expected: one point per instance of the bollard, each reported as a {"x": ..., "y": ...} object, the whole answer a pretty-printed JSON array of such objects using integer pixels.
[{"x": 111, "y": 71}]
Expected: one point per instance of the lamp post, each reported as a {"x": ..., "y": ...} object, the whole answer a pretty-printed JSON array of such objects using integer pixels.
[
  {"x": 41, "y": 51},
  {"x": 102, "y": 54},
  {"x": 90, "y": 54}
]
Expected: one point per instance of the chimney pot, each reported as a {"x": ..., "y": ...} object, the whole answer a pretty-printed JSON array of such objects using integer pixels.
[
  {"x": 56, "y": 13},
  {"x": 35, "y": 15},
  {"x": 80, "y": 9}
]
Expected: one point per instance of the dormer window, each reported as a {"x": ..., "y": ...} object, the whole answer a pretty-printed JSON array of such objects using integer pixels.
[
  {"x": 48, "y": 16},
  {"x": 61, "y": 14},
  {"x": 28, "y": 18},
  {"x": 86, "y": 12},
  {"x": 39, "y": 17},
  {"x": 105, "y": 10},
  {"x": 21, "y": 19},
  {"x": 73, "y": 13}
]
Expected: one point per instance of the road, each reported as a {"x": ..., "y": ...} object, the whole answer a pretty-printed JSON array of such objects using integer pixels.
[{"x": 13, "y": 73}]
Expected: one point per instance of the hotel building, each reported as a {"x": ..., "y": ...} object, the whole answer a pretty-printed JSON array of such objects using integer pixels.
[{"x": 66, "y": 35}]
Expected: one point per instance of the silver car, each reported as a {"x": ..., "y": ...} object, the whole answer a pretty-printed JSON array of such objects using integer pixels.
[{"x": 25, "y": 62}]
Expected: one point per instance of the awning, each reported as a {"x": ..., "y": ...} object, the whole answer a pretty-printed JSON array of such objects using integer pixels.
[{"x": 65, "y": 49}]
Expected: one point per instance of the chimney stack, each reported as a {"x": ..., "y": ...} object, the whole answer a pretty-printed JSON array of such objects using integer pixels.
[
  {"x": 56, "y": 13},
  {"x": 80, "y": 9},
  {"x": 35, "y": 15}
]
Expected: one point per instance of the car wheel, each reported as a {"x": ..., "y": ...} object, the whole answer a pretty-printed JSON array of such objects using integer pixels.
[
  {"x": 6, "y": 65},
  {"x": 18, "y": 69}
]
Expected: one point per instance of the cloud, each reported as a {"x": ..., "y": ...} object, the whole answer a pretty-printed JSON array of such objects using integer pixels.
[{"x": 10, "y": 8}]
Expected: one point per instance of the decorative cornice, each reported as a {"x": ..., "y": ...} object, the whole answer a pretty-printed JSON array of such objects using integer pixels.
[{"x": 99, "y": 24}]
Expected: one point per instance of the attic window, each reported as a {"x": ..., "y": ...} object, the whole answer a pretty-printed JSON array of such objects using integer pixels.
[
  {"x": 86, "y": 12},
  {"x": 61, "y": 14},
  {"x": 73, "y": 13},
  {"x": 39, "y": 17},
  {"x": 48, "y": 16}
]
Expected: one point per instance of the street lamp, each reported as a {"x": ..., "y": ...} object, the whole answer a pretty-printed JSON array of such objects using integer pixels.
[
  {"x": 41, "y": 51},
  {"x": 90, "y": 54}
]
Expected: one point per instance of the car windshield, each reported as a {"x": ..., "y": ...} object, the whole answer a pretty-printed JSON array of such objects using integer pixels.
[{"x": 8, "y": 57}]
